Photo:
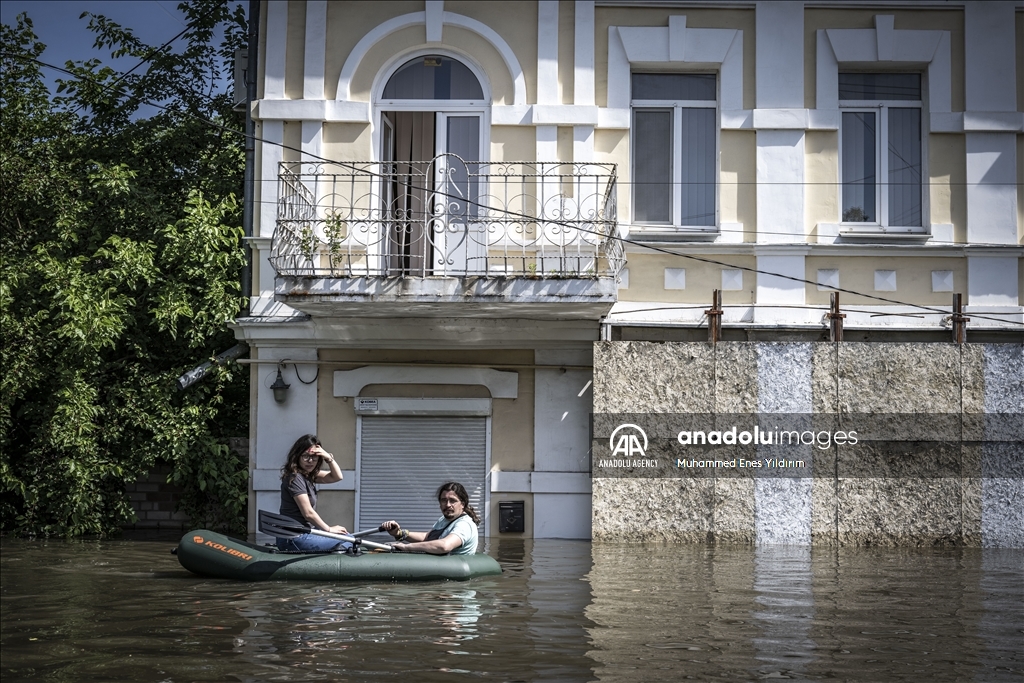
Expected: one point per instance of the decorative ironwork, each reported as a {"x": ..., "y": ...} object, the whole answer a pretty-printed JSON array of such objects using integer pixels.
[{"x": 446, "y": 217}]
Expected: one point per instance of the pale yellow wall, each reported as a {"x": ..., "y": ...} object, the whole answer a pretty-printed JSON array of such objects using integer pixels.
[
  {"x": 339, "y": 507},
  {"x": 737, "y": 189},
  {"x": 647, "y": 279},
  {"x": 947, "y": 175},
  {"x": 292, "y": 141},
  {"x": 566, "y": 50},
  {"x": 513, "y": 143},
  {"x": 348, "y": 142},
  {"x": 348, "y": 22},
  {"x": 295, "y": 48},
  {"x": 482, "y": 52},
  {"x": 821, "y": 193},
  {"x": 913, "y": 278},
  {"x": 922, "y": 20},
  {"x": 493, "y": 518},
  {"x": 604, "y": 17},
  {"x": 611, "y": 146},
  {"x": 564, "y": 144},
  {"x": 511, "y": 419},
  {"x": 516, "y": 23}
]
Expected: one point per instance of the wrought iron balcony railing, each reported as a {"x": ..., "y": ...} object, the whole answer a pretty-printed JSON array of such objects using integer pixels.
[{"x": 446, "y": 217}]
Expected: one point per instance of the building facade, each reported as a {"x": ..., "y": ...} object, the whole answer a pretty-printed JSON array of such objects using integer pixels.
[{"x": 456, "y": 199}]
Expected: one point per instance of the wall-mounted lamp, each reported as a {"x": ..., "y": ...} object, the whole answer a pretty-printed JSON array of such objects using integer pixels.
[{"x": 280, "y": 387}]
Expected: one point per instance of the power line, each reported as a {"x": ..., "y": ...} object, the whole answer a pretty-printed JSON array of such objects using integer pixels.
[{"x": 515, "y": 214}]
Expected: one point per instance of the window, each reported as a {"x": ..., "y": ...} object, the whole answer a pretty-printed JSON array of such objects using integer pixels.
[
  {"x": 433, "y": 78},
  {"x": 675, "y": 120},
  {"x": 880, "y": 149}
]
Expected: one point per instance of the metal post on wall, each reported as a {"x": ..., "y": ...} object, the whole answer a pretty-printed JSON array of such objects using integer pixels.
[
  {"x": 959, "y": 320},
  {"x": 714, "y": 315},
  {"x": 835, "y": 319}
]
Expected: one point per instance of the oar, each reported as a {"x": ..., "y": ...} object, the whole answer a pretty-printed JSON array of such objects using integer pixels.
[{"x": 281, "y": 526}]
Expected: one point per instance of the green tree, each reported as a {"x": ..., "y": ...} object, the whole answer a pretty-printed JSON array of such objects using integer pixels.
[{"x": 120, "y": 254}]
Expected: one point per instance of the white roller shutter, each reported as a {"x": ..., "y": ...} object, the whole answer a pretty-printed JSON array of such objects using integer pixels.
[{"x": 404, "y": 459}]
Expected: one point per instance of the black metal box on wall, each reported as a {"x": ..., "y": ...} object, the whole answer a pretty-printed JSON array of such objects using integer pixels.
[{"x": 511, "y": 516}]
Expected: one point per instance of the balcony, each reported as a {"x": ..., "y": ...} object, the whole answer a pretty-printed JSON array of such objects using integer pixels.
[{"x": 447, "y": 237}]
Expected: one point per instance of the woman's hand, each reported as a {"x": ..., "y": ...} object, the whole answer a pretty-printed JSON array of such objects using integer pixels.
[{"x": 338, "y": 529}]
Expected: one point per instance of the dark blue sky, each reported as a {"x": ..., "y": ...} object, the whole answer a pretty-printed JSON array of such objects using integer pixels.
[{"x": 66, "y": 37}]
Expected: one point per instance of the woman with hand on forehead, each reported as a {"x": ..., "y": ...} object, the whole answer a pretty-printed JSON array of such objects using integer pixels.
[{"x": 299, "y": 477}]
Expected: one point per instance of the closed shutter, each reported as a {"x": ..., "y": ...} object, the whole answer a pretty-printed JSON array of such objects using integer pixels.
[{"x": 404, "y": 459}]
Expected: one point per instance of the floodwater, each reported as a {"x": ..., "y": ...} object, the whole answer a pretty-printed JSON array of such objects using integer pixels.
[{"x": 124, "y": 610}]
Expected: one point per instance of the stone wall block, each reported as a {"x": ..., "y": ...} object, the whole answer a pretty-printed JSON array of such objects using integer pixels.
[
  {"x": 736, "y": 377},
  {"x": 823, "y": 511},
  {"x": 898, "y": 378},
  {"x": 784, "y": 510},
  {"x": 653, "y": 377},
  {"x": 673, "y": 510},
  {"x": 899, "y": 512},
  {"x": 1004, "y": 378},
  {"x": 734, "y": 511},
  {"x": 824, "y": 378}
]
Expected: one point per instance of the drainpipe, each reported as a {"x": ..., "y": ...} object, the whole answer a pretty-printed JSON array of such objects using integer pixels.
[{"x": 249, "y": 181}]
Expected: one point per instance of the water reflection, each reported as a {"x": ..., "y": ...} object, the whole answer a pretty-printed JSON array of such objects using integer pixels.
[
  {"x": 784, "y": 591},
  {"x": 562, "y": 611}
]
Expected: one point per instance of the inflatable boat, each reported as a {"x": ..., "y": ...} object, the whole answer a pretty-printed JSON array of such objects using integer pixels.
[{"x": 209, "y": 553}]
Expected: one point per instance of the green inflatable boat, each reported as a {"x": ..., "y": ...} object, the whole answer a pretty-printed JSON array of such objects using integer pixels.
[{"x": 209, "y": 553}]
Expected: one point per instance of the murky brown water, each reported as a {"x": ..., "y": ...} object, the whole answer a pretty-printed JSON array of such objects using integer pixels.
[{"x": 563, "y": 611}]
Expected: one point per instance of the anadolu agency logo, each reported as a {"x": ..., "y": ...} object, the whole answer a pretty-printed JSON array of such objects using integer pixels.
[{"x": 628, "y": 444}]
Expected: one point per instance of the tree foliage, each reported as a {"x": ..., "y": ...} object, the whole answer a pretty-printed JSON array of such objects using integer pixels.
[{"x": 121, "y": 253}]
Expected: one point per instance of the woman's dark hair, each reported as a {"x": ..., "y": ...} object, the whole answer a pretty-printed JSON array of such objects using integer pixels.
[
  {"x": 291, "y": 463},
  {"x": 460, "y": 492}
]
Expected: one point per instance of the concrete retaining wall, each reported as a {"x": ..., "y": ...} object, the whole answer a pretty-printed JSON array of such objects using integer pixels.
[{"x": 964, "y": 487}]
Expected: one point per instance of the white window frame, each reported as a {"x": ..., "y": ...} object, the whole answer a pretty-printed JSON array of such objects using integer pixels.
[
  {"x": 881, "y": 109},
  {"x": 676, "y": 208}
]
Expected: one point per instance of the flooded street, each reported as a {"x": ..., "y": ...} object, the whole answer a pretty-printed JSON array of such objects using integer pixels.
[{"x": 124, "y": 610}]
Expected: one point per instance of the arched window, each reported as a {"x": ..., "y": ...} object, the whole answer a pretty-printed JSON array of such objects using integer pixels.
[{"x": 433, "y": 77}]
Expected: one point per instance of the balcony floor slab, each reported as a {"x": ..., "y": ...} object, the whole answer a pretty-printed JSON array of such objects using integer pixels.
[{"x": 473, "y": 297}]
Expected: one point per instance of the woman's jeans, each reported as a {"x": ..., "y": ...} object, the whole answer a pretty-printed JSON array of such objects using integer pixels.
[{"x": 311, "y": 543}]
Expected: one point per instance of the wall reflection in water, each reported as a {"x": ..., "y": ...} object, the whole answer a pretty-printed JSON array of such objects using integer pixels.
[{"x": 665, "y": 613}]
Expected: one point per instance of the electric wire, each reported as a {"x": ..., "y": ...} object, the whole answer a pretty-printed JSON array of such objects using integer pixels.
[{"x": 514, "y": 214}]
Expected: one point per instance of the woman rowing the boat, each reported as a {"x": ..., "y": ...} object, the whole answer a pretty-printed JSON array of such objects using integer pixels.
[
  {"x": 299, "y": 477},
  {"x": 455, "y": 533}
]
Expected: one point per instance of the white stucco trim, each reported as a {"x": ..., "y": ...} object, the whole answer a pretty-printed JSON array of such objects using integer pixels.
[
  {"x": 992, "y": 281},
  {"x": 583, "y": 71},
  {"x": 540, "y": 482},
  {"x": 708, "y": 48},
  {"x": 372, "y": 37},
  {"x": 271, "y": 156},
  {"x": 338, "y": 111},
  {"x": 779, "y": 55},
  {"x": 889, "y": 48},
  {"x": 274, "y": 53},
  {"x": 390, "y": 26},
  {"x": 435, "y": 20},
  {"x": 270, "y": 480},
  {"x": 501, "y": 384},
  {"x": 315, "y": 49},
  {"x": 547, "y": 52}
]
